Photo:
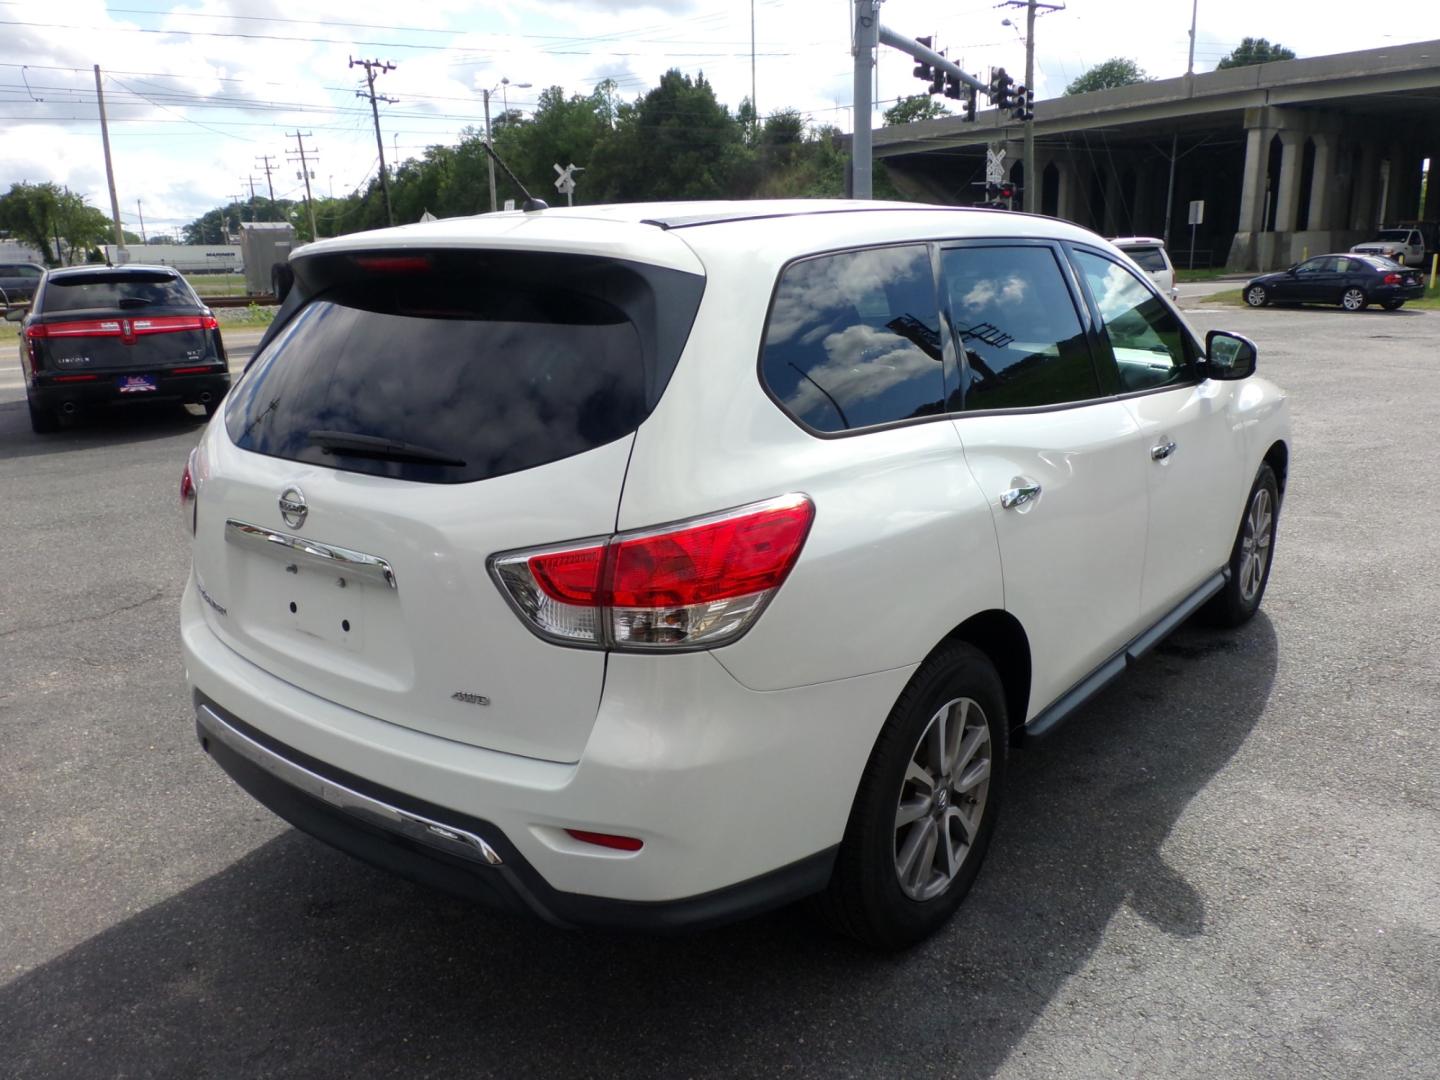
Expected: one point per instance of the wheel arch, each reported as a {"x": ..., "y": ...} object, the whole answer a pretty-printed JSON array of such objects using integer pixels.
[
  {"x": 999, "y": 635},
  {"x": 1278, "y": 458}
]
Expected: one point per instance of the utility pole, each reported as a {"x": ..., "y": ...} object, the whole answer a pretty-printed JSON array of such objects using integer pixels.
[
  {"x": 754, "y": 107},
  {"x": 141, "y": 214},
  {"x": 1031, "y": 191},
  {"x": 1175, "y": 136},
  {"x": 867, "y": 40},
  {"x": 268, "y": 180},
  {"x": 109, "y": 169},
  {"x": 300, "y": 138},
  {"x": 376, "y": 67},
  {"x": 251, "y": 181},
  {"x": 489, "y": 158}
]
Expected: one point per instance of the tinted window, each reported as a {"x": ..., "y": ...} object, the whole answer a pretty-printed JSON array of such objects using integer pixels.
[
  {"x": 1144, "y": 333},
  {"x": 1148, "y": 258},
  {"x": 1018, "y": 330},
  {"x": 21, "y": 271},
  {"x": 468, "y": 372},
  {"x": 853, "y": 339},
  {"x": 74, "y": 292},
  {"x": 1315, "y": 266}
]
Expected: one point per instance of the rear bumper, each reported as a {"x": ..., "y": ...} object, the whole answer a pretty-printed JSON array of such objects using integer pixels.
[
  {"x": 465, "y": 856},
  {"x": 740, "y": 797},
  {"x": 192, "y": 389}
]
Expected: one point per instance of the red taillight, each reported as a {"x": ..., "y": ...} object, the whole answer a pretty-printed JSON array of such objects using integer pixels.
[
  {"x": 122, "y": 328},
  {"x": 697, "y": 583},
  {"x": 1392, "y": 279},
  {"x": 570, "y": 577},
  {"x": 393, "y": 264},
  {"x": 193, "y": 370},
  {"x": 610, "y": 840},
  {"x": 76, "y": 378}
]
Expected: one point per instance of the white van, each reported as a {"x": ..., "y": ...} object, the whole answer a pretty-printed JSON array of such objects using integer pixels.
[{"x": 1150, "y": 255}]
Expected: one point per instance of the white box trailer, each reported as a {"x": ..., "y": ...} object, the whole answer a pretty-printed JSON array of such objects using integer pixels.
[{"x": 187, "y": 258}]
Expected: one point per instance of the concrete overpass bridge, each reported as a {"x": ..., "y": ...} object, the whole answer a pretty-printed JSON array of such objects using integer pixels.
[{"x": 1290, "y": 157}]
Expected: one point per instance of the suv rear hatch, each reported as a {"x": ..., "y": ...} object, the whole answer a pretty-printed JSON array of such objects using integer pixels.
[
  {"x": 117, "y": 321},
  {"x": 428, "y": 409}
]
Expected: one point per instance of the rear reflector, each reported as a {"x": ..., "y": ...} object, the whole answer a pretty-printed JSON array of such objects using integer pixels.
[
  {"x": 698, "y": 583},
  {"x": 609, "y": 840},
  {"x": 75, "y": 378}
]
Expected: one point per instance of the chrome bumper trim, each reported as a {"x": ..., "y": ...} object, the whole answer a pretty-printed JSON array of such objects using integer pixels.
[
  {"x": 285, "y": 547},
  {"x": 425, "y": 830}
]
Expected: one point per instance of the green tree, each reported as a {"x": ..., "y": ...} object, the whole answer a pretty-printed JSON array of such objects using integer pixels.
[
  {"x": 916, "y": 107},
  {"x": 676, "y": 142},
  {"x": 52, "y": 219},
  {"x": 1119, "y": 71},
  {"x": 1255, "y": 51}
]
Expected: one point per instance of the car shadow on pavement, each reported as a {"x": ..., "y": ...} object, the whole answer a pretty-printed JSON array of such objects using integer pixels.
[
  {"x": 297, "y": 961},
  {"x": 101, "y": 428}
]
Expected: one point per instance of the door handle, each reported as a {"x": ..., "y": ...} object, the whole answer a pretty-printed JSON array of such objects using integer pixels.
[
  {"x": 1019, "y": 496},
  {"x": 1163, "y": 451}
]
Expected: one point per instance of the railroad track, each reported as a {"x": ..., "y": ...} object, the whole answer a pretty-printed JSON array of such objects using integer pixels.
[{"x": 238, "y": 301}]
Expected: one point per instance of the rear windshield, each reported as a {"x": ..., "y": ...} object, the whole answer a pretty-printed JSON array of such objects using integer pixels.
[
  {"x": 76, "y": 292},
  {"x": 459, "y": 370},
  {"x": 1147, "y": 258},
  {"x": 24, "y": 270}
]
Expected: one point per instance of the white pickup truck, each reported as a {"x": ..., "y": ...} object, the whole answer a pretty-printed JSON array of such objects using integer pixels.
[{"x": 1405, "y": 245}]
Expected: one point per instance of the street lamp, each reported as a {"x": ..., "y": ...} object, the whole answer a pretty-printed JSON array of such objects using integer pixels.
[{"x": 490, "y": 161}]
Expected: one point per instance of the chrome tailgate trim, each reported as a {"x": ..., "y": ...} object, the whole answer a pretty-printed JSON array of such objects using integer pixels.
[{"x": 285, "y": 547}]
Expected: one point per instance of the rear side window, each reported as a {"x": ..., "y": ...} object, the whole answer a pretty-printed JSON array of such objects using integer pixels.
[
  {"x": 79, "y": 292},
  {"x": 1147, "y": 258},
  {"x": 1021, "y": 338},
  {"x": 853, "y": 339},
  {"x": 449, "y": 369}
]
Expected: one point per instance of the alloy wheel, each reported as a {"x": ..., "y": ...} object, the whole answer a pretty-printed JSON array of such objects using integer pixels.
[
  {"x": 1353, "y": 300},
  {"x": 1256, "y": 296},
  {"x": 1255, "y": 544},
  {"x": 942, "y": 799}
]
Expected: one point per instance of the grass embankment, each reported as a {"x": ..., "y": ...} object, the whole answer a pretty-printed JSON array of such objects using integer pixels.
[
  {"x": 1198, "y": 275},
  {"x": 217, "y": 284},
  {"x": 1234, "y": 298}
]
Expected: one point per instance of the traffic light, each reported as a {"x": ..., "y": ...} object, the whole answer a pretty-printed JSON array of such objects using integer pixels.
[
  {"x": 970, "y": 105},
  {"x": 1006, "y": 191},
  {"x": 937, "y": 84},
  {"x": 922, "y": 69},
  {"x": 1024, "y": 102},
  {"x": 1000, "y": 92}
]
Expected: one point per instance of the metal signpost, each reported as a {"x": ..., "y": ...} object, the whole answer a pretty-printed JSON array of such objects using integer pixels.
[
  {"x": 1197, "y": 217},
  {"x": 566, "y": 184}
]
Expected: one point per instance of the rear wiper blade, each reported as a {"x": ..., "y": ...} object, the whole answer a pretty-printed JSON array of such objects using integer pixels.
[
  {"x": 345, "y": 442},
  {"x": 134, "y": 301}
]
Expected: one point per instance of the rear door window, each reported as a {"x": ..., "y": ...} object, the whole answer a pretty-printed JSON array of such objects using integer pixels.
[
  {"x": 454, "y": 370},
  {"x": 117, "y": 291},
  {"x": 1021, "y": 340},
  {"x": 853, "y": 340}
]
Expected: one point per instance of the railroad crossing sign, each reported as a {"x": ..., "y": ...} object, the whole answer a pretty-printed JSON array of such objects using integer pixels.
[
  {"x": 566, "y": 184},
  {"x": 994, "y": 165}
]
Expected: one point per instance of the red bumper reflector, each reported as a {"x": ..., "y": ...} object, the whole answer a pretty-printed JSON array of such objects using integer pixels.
[
  {"x": 600, "y": 839},
  {"x": 194, "y": 370},
  {"x": 76, "y": 378}
]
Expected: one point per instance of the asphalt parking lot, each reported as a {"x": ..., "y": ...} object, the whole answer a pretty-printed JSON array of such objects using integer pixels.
[{"x": 1228, "y": 865}]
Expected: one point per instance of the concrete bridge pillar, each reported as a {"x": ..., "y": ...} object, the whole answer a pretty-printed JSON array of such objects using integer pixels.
[
  {"x": 1114, "y": 200},
  {"x": 1365, "y": 214},
  {"x": 1323, "y": 193},
  {"x": 1068, "y": 195},
  {"x": 1432, "y": 188},
  {"x": 1245, "y": 253},
  {"x": 1292, "y": 160}
]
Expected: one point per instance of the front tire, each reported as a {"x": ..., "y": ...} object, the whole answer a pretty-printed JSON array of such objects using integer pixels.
[
  {"x": 1257, "y": 296},
  {"x": 926, "y": 806},
  {"x": 1354, "y": 300},
  {"x": 1251, "y": 556}
]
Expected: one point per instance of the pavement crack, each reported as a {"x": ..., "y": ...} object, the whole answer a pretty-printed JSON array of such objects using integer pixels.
[{"x": 156, "y": 595}]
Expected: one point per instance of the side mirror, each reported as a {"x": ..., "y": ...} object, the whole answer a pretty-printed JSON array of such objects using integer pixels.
[
  {"x": 1229, "y": 356},
  {"x": 16, "y": 313}
]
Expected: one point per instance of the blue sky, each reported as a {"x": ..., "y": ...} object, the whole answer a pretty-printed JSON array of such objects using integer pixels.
[{"x": 199, "y": 92}]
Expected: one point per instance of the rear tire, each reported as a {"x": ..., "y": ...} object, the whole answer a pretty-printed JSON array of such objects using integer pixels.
[
  {"x": 926, "y": 806},
  {"x": 1354, "y": 300},
  {"x": 42, "y": 421},
  {"x": 1251, "y": 557},
  {"x": 1257, "y": 296}
]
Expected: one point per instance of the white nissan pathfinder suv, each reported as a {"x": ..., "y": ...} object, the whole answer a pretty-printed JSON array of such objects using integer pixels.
[{"x": 655, "y": 565}]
